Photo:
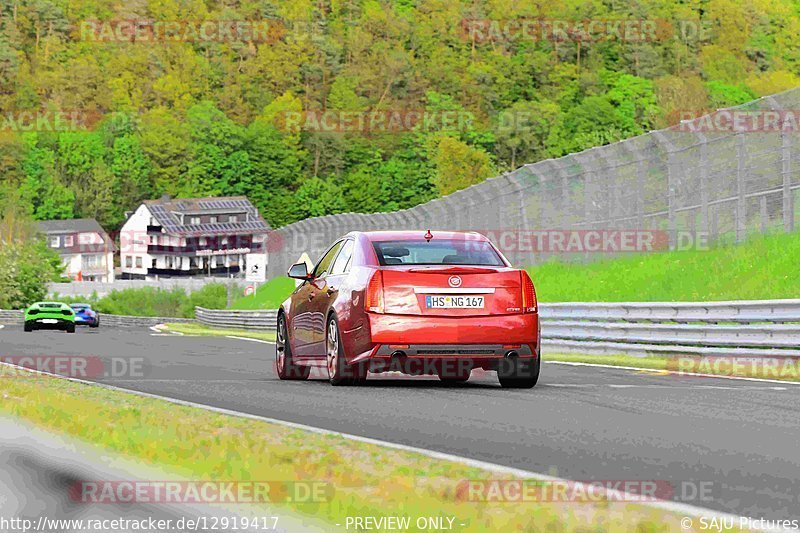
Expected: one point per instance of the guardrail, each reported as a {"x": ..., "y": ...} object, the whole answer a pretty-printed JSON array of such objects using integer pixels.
[
  {"x": 229, "y": 318},
  {"x": 116, "y": 321},
  {"x": 745, "y": 328}
]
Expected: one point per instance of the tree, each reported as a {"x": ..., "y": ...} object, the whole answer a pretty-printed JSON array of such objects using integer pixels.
[
  {"x": 42, "y": 191},
  {"x": 27, "y": 264},
  {"x": 317, "y": 197},
  {"x": 218, "y": 164},
  {"x": 459, "y": 165}
]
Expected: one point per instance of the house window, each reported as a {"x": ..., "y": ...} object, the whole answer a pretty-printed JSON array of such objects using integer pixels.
[
  {"x": 203, "y": 241},
  {"x": 54, "y": 242},
  {"x": 233, "y": 218},
  {"x": 89, "y": 262},
  {"x": 69, "y": 240},
  {"x": 194, "y": 221},
  {"x": 129, "y": 262},
  {"x": 138, "y": 261},
  {"x": 212, "y": 220},
  {"x": 169, "y": 261}
]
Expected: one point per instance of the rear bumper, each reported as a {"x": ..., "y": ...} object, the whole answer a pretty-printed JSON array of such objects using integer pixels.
[
  {"x": 455, "y": 351},
  {"x": 437, "y": 330},
  {"x": 422, "y": 345},
  {"x": 60, "y": 323}
]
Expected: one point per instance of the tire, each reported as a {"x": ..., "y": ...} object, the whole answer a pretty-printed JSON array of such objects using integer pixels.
[
  {"x": 96, "y": 324},
  {"x": 519, "y": 373},
  {"x": 70, "y": 328},
  {"x": 339, "y": 372},
  {"x": 28, "y": 327},
  {"x": 284, "y": 364}
]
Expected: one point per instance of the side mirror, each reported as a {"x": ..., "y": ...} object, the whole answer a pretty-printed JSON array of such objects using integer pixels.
[{"x": 299, "y": 271}]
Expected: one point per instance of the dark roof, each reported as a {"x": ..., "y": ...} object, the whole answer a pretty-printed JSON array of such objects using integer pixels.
[
  {"x": 166, "y": 209},
  {"x": 75, "y": 226}
]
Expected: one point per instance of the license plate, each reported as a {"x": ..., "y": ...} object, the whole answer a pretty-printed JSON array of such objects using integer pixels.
[
  {"x": 454, "y": 302},
  {"x": 49, "y": 321}
]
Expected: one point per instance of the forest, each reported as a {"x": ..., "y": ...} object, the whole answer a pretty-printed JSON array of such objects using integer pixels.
[{"x": 196, "y": 114}]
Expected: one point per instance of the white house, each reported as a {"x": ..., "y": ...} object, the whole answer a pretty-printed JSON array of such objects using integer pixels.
[
  {"x": 191, "y": 237},
  {"x": 84, "y": 246}
]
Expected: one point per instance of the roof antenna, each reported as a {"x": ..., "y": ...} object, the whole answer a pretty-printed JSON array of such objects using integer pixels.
[{"x": 428, "y": 236}]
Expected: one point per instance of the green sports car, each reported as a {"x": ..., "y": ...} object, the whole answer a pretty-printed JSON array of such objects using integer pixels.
[{"x": 50, "y": 315}]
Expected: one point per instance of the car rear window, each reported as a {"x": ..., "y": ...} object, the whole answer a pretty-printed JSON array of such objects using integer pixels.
[{"x": 437, "y": 252}]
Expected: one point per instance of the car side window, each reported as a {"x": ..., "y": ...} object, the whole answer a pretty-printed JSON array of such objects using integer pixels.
[
  {"x": 342, "y": 262},
  {"x": 324, "y": 265}
]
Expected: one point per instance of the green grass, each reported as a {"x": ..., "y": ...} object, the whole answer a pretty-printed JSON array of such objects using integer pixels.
[
  {"x": 151, "y": 301},
  {"x": 764, "y": 267},
  {"x": 201, "y": 330},
  {"x": 269, "y": 296},
  {"x": 364, "y": 479}
]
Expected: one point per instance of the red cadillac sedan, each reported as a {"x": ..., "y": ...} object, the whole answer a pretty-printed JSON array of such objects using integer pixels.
[{"x": 417, "y": 302}]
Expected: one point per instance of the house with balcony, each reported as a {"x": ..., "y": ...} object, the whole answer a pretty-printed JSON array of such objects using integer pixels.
[
  {"x": 191, "y": 237},
  {"x": 84, "y": 246}
]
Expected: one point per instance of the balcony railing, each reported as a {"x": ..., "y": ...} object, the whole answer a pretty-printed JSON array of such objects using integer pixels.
[
  {"x": 192, "y": 250},
  {"x": 215, "y": 271}
]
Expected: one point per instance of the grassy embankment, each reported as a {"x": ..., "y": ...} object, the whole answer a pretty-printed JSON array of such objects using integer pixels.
[
  {"x": 761, "y": 268},
  {"x": 364, "y": 479}
]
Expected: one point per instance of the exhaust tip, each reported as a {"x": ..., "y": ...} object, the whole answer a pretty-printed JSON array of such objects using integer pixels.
[
  {"x": 398, "y": 353},
  {"x": 511, "y": 354}
]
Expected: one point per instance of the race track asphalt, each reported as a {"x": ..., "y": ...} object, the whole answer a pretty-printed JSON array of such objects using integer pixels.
[{"x": 726, "y": 445}]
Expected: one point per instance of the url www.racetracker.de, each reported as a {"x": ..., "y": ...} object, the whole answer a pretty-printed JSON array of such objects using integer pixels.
[{"x": 110, "y": 525}]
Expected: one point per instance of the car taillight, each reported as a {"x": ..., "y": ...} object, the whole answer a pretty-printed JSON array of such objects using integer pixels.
[
  {"x": 33, "y": 312},
  {"x": 374, "y": 299},
  {"x": 67, "y": 313},
  {"x": 528, "y": 294}
]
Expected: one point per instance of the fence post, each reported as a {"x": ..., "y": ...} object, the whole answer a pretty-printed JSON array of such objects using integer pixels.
[
  {"x": 741, "y": 206},
  {"x": 668, "y": 149},
  {"x": 703, "y": 183},
  {"x": 640, "y": 171},
  {"x": 786, "y": 171}
]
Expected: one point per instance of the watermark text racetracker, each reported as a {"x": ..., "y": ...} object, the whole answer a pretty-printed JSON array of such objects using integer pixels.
[
  {"x": 756, "y": 367},
  {"x": 182, "y": 31},
  {"x": 568, "y": 241},
  {"x": 78, "y": 366},
  {"x": 584, "y": 31},
  {"x": 736, "y": 121},
  {"x": 586, "y": 491},
  {"x": 199, "y": 492}
]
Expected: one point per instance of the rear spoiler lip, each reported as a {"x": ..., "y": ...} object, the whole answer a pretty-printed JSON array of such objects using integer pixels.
[
  {"x": 454, "y": 269},
  {"x": 452, "y": 290}
]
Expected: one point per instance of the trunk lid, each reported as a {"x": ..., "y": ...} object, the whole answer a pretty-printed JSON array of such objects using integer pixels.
[{"x": 451, "y": 290}]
